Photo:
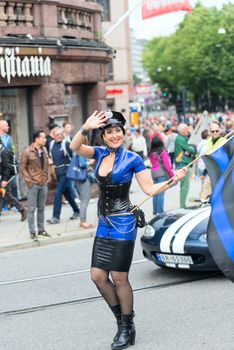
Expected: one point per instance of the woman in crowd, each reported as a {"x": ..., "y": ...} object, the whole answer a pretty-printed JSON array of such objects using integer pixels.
[
  {"x": 116, "y": 231},
  {"x": 160, "y": 170},
  {"x": 84, "y": 189}
]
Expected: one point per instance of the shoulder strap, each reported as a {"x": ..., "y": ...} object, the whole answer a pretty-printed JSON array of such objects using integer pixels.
[{"x": 64, "y": 148}]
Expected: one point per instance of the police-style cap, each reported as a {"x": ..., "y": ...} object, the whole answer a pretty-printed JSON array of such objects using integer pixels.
[{"x": 113, "y": 118}]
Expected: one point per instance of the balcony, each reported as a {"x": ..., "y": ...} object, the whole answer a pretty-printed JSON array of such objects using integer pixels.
[{"x": 63, "y": 18}]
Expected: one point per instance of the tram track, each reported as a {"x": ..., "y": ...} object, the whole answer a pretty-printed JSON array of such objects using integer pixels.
[
  {"x": 55, "y": 275},
  {"x": 87, "y": 300}
]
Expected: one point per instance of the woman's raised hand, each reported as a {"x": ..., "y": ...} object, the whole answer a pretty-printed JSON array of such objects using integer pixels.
[{"x": 95, "y": 121}]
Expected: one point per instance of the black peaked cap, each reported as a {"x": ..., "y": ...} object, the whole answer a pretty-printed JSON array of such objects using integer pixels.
[{"x": 114, "y": 118}]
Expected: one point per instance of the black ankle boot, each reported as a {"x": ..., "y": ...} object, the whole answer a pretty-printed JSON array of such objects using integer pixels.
[
  {"x": 127, "y": 333},
  {"x": 117, "y": 312}
]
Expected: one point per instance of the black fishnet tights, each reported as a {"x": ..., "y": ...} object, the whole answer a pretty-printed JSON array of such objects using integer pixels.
[{"x": 117, "y": 292}]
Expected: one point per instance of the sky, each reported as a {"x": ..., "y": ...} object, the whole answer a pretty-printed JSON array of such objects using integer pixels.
[{"x": 162, "y": 25}]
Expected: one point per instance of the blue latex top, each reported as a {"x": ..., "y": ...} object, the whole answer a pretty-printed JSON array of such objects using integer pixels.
[{"x": 125, "y": 165}]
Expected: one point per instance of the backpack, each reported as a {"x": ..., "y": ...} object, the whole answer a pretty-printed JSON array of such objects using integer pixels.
[{"x": 63, "y": 148}]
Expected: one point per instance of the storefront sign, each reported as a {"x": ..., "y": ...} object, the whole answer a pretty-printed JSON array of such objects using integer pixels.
[
  {"x": 114, "y": 91},
  {"x": 11, "y": 65},
  {"x": 143, "y": 89}
]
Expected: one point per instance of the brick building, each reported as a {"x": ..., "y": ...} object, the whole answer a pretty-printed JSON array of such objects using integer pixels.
[{"x": 52, "y": 62}]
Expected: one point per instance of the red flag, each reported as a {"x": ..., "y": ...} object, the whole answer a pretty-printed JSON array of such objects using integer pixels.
[{"x": 151, "y": 8}]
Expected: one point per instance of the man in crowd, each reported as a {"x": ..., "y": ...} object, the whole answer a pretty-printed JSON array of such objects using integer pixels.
[
  {"x": 8, "y": 170},
  {"x": 67, "y": 131},
  {"x": 139, "y": 144},
  {"x": 215, "y": 139},
  {"x": 50, "y": 136},
  {"x": 184, "y": 154},
  {"x": 61, "y": 155},
  {"x": 34, "y": 168},
  {"x": 213, "y": 142},
  {"x": 6, "y": 139},
  {"x": 7, "y": 142}
]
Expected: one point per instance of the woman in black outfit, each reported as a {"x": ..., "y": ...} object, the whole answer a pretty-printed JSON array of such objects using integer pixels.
[{"x": 116, "y": 231}]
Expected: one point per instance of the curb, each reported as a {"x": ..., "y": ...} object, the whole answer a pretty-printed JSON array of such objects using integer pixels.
[{"x": 70, "y": 236}]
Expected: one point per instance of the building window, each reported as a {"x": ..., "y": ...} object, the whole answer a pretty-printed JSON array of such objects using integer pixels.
[{"x": 106, "y": 7}]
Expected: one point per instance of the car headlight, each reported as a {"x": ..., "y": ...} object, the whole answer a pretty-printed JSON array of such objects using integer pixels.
[
  {"x": 149, "y": 231},
  {"x": 205, "y": 235}
]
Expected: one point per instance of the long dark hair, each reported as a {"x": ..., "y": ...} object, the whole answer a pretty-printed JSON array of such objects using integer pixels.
[{"x": 157, "y": 145}]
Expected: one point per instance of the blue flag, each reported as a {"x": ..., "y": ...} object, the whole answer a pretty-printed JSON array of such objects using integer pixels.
[{"x": 220, "y": 232}]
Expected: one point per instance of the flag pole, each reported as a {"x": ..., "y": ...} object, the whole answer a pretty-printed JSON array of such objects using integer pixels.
[
  {"x": 121, "y": 19},
  {"x": 164, "y": 187}
]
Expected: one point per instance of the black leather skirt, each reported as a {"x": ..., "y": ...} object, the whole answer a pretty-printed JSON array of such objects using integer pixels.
[{"x": 112, "y": 254}]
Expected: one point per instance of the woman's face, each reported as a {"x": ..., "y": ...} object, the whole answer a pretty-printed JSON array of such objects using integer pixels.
[{"x": 113, "y": 136}]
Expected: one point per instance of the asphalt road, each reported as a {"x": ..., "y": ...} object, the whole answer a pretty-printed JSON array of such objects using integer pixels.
[{"x": 47, "y": 301}]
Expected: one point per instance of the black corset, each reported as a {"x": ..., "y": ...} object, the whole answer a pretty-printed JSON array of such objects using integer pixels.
[{"x": 114, "y": 198}]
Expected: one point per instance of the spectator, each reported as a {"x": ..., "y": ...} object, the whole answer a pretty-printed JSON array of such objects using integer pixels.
[
  {"x": 128, "y": 139},
  {"x": 160, "y": 170},
  {"x": 228, "y": 126},
  {"x": 7, "y": 141},
  {"x": 34, "y": 168},
  {"x": 146, "y": 135},
  {"x": 84, "y": 190},
  {"x": 8, "y": 169},
  {"x": 139, "y": 144},
  {"x": 50, "y": 136},
  {"x": 67, "y": 131},
  {"x": 171, "y": 137},
  {"x": 61, "y": 155},
  {"x": 215, "y": 138},
  {"x": 201, "y": 149},
  {"x": 213, "y": 142},
  {"x": 184, "y": 154}
]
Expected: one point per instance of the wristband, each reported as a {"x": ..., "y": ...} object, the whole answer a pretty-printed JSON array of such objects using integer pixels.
[{"x": 83, "y": 131}]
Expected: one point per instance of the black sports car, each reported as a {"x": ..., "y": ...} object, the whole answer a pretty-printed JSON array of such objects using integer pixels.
[{"x": 177, "y": 239}]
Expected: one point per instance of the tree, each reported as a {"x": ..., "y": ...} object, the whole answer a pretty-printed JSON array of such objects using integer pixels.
[
  {"x": 136, "y": 79},
  {"x": 200, "y": 60}
]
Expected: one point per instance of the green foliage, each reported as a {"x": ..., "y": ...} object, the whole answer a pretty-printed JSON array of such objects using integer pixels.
[
  {"x": 136, "y": 79},
  {"x": 196, "y": 56}
]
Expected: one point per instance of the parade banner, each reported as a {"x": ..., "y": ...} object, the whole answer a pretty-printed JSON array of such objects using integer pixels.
[
  {"x": 220, "y": 232},
  {"x": 151, "y": 8}
]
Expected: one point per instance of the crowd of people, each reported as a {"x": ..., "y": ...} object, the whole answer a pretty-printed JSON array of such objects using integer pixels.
[{"x": 162, "y": 143}]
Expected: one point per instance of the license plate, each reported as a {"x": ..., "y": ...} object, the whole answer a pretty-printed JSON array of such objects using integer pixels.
[{"x": 175, "y": 259}]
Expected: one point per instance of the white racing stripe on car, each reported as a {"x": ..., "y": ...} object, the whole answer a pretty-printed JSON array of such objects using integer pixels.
[
  {"x": 171, "y": 231},
  {"x": 181, "y": 236}
]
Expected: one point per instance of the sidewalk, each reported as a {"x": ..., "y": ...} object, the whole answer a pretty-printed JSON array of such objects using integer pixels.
[{"x": 14, "y": 233}]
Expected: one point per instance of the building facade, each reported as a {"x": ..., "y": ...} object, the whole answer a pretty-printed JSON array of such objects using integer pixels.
[
  {"x": 137, "y": 48},
  {"x": 52, "y": 64},
  {"x": 119, "y": 87}
]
